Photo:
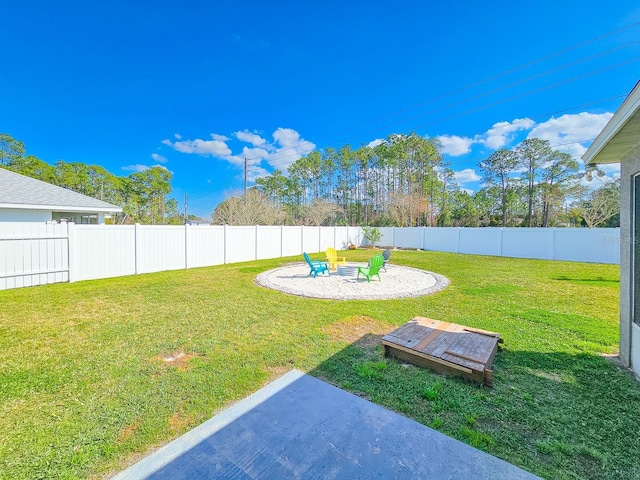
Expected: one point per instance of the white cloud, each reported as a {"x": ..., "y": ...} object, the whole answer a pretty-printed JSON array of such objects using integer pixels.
[
  {"x": 501, "y": 133},
  {"x": 215, "y": 148},
  {"x": 286, "y": 148},
  {"x": 135, "y": 168},
  {"x": 454, "y": 145},
  {"x": 610, "y": 168},
  {"x": 467, "y": 175},
  {"x": 159, "y": 158},
  {"x": 178, "y": 136},
  {"x": 253, "y": 155},
  {"x": 568, "y": 132},
  {"x": 287, "y": 137},
  {"x": 256, "y": 172},
  {"x": 375, "y": 143},
  {"x": 249, "y": 137},
  {"x": 138, "y": 167}
]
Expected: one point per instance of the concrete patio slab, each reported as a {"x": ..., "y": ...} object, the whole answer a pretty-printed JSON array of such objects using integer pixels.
[
  {"x": 301, "y": 427},
  {"x": 396, "y": 282}
]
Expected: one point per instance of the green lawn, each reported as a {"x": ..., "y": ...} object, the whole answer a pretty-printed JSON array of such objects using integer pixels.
[{"x": 86, "y": 388}]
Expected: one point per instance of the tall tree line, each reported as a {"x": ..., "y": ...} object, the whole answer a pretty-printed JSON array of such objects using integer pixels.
[
  {"x": 366, "y": 185},
  {"x": 404, "y": 181},
  {"x": 143, "y": 196}
]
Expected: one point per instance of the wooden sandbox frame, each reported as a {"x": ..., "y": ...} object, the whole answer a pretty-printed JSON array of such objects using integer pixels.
[{"x": 445, "y": 347}]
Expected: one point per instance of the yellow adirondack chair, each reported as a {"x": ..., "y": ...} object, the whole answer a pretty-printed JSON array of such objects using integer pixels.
[{"x": 334, "y": 259}]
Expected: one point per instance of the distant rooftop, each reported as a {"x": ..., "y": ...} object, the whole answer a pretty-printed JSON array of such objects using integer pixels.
[{"x": 19, "y": 191}]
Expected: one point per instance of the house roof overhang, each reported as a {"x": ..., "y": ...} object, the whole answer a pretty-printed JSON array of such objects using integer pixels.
[
  {"x": 620, "y": 135},
  {"x": 60, "y": 208}
]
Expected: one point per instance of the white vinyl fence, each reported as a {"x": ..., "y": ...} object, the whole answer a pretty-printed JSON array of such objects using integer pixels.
[
  {"x": 597, "y": 245},
  {"x": 39, "y": 253}
]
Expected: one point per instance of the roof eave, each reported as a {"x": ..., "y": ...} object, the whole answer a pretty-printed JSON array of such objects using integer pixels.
[
  {"x": 627, "y": 110},
  {"x": 63, "y": 208}
]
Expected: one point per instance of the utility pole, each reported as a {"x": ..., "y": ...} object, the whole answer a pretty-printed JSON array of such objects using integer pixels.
[
  {"x": 185, "y": 209},
  {"x": 245, "y": 176}
]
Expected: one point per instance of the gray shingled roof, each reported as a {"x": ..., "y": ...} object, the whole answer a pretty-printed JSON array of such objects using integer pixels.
[{"x": 21, "y": 192}]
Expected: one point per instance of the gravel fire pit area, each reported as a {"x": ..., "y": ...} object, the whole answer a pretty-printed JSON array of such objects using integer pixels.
[{"x": 343, "y": 284}]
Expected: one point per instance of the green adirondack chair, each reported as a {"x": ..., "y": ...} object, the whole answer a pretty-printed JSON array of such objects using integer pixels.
[
  {"x": 316, "y": 266},
  {"x": 375, "y": 264}
]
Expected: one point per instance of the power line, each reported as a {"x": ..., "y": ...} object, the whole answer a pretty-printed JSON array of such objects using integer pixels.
[
  {"x": 493, "y": 104},
  {"x": 502, "y": 74},
  {"x": 551, "y": 146},
  {"x": 482, "y": 107},
  {"x": 483, "y": 81},
  {"x": 513, "y": 84},
  {"x": 486, "y": 80},
  {"x": 531, "y": 92}
]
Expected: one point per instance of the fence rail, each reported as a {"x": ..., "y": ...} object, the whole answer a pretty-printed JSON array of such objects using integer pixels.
[{"x": 39, "y": 253}]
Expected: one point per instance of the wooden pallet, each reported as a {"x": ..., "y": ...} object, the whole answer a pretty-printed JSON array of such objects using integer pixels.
[{"x": 445, "y": 347}]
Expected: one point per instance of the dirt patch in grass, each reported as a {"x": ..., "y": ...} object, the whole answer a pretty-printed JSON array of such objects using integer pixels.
[
  {"x": 179, "y": 360},
  {"x": 549, "y": 376},
  {"x": 277, "y": 371},
  {"x": 129, "y": 431},
  {"x": 178, "y": 421},
  {"x": 360, "y": 330}
]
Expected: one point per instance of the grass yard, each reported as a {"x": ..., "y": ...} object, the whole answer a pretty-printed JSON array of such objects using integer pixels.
[{"x": 95, "y": 374}]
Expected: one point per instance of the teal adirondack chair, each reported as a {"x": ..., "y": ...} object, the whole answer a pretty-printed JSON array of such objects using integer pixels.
[
  {"x": 375, "y": 264},
  {"x": 316, "y": 266}
]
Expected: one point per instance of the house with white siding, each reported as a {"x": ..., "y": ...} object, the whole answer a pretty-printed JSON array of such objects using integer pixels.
[{"x": 26, "y": 199}]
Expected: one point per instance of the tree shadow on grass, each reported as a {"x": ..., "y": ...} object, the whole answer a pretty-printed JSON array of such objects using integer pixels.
[
  {"x": 555, "y": 414},
  {"x": 597, "y": 281}
]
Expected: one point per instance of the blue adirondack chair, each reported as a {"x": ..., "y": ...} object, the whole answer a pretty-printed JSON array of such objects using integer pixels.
[
  {"x": 316, "y": 266},
  {"x": 375, "y": 264}
]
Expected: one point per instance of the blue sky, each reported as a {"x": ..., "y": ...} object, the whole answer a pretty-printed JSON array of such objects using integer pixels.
[{"x": 196, "y": 86}]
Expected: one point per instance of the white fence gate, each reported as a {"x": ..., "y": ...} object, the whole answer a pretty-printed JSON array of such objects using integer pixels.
[{"x": 33, "y": 254}]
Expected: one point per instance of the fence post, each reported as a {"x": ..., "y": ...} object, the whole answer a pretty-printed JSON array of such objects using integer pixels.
[
  {"x": 301, "y": 239},
  {"x": 335, "y": 245},
  {"x": 256, "y": 249},
  {"x": 393, "y": 237},
  {"x": 224, "y": 244},
  {"x": 71, "y": 251},
  {"x": 502, "y": 242},
  {"x": 424, "y": 238},
  {"x": 553, "y": 250},
  {"x": 459, "y": 235},
  {"x": 281, "y": 241},
  {"x": 136, "y": 236},
  {"x": 186, "y": 245}
]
